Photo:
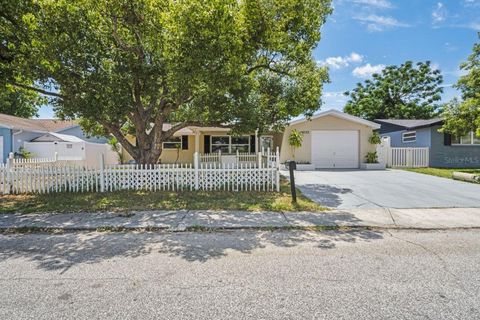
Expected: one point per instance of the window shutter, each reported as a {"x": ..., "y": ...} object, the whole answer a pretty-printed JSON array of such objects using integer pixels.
[
  {"x": 447, "y": 139},
  {"x": 252, "y": 144},
  {"x": 206, "y": 144},
  {"x": 184, "y": 142}
]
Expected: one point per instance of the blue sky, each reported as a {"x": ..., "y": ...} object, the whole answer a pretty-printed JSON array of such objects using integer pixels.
[{"x": 362, "y": 36}]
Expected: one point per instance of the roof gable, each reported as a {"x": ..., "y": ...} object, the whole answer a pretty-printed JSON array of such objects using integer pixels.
[
  {"x": 341, "y": 115},
  {"x": 53, "y": 137},
  {"x": 410, "y": 123}
]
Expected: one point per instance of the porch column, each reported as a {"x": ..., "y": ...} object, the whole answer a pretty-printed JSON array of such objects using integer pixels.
[
  {"x": 257, "y": 141},
  {"x": 197, "y": 141}
]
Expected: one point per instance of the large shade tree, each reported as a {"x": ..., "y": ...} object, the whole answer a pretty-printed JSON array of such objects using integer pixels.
[
  {"x": 129, "y": 66},
  {"x": 463, "y": 116},
  {"x": 408, "y": 91}
]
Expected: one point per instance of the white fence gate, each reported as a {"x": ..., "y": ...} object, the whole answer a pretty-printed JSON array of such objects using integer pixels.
[
  {"x": 408, "y": 157},
  {"x": 51, "y": 177}
]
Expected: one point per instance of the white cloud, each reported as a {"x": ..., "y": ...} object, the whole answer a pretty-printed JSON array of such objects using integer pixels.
[
  {"x": 341, "y": 62},
  {"x": 334, "y": 99},
  {"x": 375, "y": 3},
  {"x": 435, "y": 66},
  {"x": 439, "y": 14},
  {"x": 367, "y": 70},
  {"x": 379, "y": 23},
  {"x": 474, "y": 26},
  {"x": 334, "y": 94}
]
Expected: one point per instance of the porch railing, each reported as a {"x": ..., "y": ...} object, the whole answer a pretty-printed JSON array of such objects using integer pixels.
[{"x": 265, "y": 156}]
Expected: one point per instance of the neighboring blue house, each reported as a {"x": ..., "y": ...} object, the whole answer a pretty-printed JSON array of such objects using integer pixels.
[
  {"x": 445, "y": 151},
  {"x": 14, "y": 131}
]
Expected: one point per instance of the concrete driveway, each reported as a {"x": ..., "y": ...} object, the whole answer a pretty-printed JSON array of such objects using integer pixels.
[{"x": 351, "y": 189}]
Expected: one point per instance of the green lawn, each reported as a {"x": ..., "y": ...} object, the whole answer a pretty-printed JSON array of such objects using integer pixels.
[
  {"x": 442, "y": 172},
  {"x": 146, "y": 200}
]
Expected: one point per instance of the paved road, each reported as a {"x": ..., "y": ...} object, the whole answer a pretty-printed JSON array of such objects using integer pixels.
[
  {"x": 241, "y": 275},
  {"x": 352, "y": 189}
]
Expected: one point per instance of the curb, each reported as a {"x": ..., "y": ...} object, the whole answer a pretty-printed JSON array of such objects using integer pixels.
[{"x": 318, "y": 228}]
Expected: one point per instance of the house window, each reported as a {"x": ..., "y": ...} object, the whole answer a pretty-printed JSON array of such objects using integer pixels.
[
  {"x": 409, "y": 136},
  {"x": 69, "y": 146},
  {"x": 228, "y": 144},
  {"x": 173, "y": 143},
  {"x": 469, "y": 139},
  {"x": 220, "y": 143},
  {"x": 240, "y": 144}
]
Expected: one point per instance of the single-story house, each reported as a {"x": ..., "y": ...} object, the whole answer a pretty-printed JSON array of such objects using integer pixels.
[
  {"x": 331, "y": 139},
  {"x": 45, "y": 137},
  {"x": 445, "y": 151}
]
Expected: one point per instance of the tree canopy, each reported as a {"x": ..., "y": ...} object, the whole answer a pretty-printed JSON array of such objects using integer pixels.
[
  {"x": 132, "y": 65},
  {"x": 463, "y": 116},
  {"x": 408, "y": 91},
  {"x": 19, "y": 102},
  {"x": 15, "y": 46}
]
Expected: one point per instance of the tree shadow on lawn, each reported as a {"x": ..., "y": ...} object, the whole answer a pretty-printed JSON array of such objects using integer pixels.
[{"x": 59, "y": 252}]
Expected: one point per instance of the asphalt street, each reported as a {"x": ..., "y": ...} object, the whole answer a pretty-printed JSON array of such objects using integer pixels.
[{"x": 362, "y": 274}]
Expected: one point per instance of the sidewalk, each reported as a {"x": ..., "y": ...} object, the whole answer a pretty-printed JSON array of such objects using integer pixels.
[{"x": 187, "y": 220}]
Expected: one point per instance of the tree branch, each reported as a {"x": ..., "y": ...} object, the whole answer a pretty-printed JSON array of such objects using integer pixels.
[
  {"x": 115, "y": 130},
  {"x": 267, "y": 67},
  {"x": 45, "y": 92}
]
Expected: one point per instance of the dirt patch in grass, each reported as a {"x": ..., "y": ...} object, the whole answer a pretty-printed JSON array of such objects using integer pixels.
[{"x": 120, "y": 201}]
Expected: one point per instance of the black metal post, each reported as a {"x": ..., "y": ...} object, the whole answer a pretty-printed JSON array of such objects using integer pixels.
[{"x": 292, "y": 165}]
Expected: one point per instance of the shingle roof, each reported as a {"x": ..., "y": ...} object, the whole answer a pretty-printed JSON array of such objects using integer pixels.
[
  {"x": 54, "y": 125},
  {"x": 36, "y": 125},
  {"x": 411, "y": 124}
]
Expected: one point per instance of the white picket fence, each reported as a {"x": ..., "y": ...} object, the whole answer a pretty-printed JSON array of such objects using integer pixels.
[
  {"x": 408, "y": 157},
  {"x": 51, "y": 177}
]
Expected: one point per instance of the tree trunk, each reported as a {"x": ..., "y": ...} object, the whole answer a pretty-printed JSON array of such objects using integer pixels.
[{"x": 150, "y": 156}]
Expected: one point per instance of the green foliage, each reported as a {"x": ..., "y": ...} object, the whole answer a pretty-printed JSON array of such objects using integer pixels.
[
  {"x": 375, "y": 138},
  {"x": 407, "y": 91},
  {"x": 463, "y": 117},
  {"x": 117, "y": 148},
  {"x": 19, "y": 102},
  {"x": 15, "y": 45},
  {"x": 295, "y": 140},
  {"x": 133, "y": 65},
  {"x": 371, "y": 157},
  {"x": 22, "y": 153}
]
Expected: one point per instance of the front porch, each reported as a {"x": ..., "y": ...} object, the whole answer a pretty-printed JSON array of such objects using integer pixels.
[{"x": 218, "y": 145}]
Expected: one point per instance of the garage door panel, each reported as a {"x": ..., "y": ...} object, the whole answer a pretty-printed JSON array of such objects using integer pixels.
[{"x": 335, "y": 149}]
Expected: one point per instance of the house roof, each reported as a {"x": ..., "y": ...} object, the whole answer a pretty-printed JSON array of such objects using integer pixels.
[
  {"x": 411, "y": 123},
  {"x": 341, "y": 115},
  {"x": 54, "y": 125},
  {"x": 53, "y": 136},
  {"x": 35, "y": 125}
]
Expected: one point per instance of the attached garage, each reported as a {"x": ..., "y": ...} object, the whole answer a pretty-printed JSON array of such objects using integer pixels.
[
  {"x": 335, "y": 149},
  {"x": 331, "y": 140}
]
